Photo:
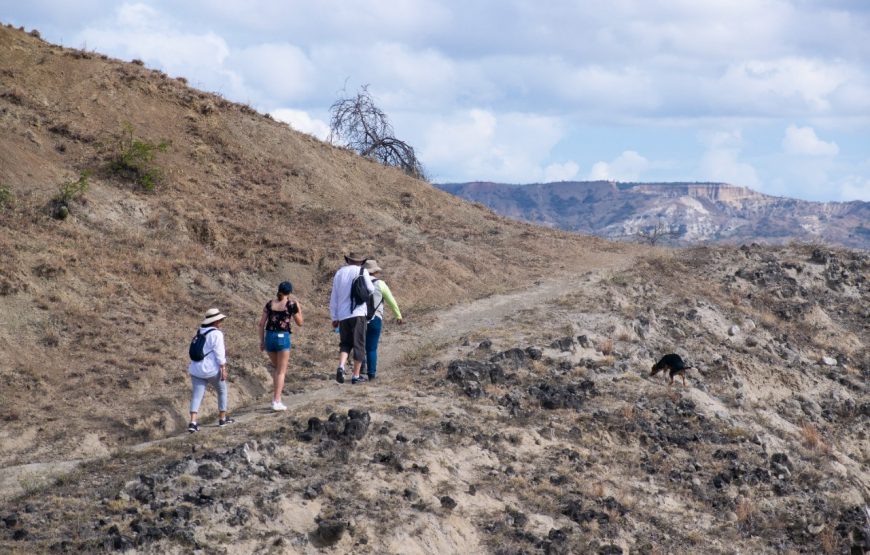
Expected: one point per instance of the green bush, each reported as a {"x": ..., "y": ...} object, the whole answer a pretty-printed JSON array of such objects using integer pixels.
[
  {"x": 73, "y": 190},
  {"x": 5, "y": 196},
  {"x": 134, "y": 159}
]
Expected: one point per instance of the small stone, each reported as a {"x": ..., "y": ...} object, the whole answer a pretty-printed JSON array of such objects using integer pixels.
[
  {"x": 448, "y": 502},
  {"x": 485, "y": 344},
  {"x": 731, "y": 516},
  {"x": 829, "y": 361},
  {"x": 328, "y": 533},
  {"x": 733, "y": 330},
  {"x": 534, "y": 353},
  {"x": 696, "y": 482},
  {"x": 209, "y": 470},
  {"x": 815, "y": 529}
]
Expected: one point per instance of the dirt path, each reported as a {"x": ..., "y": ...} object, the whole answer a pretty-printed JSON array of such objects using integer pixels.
[{"x": 424, "y": 334}]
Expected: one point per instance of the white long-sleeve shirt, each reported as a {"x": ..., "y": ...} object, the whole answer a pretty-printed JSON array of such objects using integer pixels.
[
  {"x": 339, "y": 300},
  {"x": 215, "y": 355}
]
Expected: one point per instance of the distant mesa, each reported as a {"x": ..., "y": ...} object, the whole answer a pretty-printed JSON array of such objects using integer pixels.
[{"x": 681, "y": 213}]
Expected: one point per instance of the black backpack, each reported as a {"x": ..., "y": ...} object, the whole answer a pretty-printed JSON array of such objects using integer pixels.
[
  {"x": 359, "y": 293},
  {"x": 371, "y": 308},
  {"x": 197, "y": 346}
]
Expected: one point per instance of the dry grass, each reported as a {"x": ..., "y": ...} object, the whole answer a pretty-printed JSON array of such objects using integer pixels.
[
  {"x": 829, "y": 541},
  {"x": 745, "y": 510},
  {"x": 605, "y": 346},
  {"x": 812, "y": 438}
]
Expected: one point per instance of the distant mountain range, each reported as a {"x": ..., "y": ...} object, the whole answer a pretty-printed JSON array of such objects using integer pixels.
[{"x": 680, "y": 213}]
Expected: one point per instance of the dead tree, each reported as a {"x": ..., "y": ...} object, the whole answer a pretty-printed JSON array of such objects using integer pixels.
[
  {"x": 359, "y": 124},
  {"x": 653, "y": 235}
]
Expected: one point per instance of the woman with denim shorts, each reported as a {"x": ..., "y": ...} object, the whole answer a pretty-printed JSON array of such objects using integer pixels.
[{"x": 275, "y": 333}]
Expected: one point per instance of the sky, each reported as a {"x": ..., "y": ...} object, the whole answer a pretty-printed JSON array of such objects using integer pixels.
[{"x": 768, "y": 94}]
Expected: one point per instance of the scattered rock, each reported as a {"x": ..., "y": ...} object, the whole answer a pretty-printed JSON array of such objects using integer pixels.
[
  {"x": 448, "y": 502},
  {"x": 534, "y": 353},
  {"x": 565, "y": 344},
  {"x": 328, "y": 533},
  {"x": 513, "y": 358},
  {"x": 829, "y": 361},
  {"x": 733, "y": 330},
  {"x": 209, "y": 470}
]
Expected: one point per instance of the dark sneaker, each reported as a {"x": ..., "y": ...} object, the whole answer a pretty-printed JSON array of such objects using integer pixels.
[
  {"x": 224, "y": 421},
  {"x": 193, "y": 427},
  {"x": 339, "y": 375},
  {"x": 358, "y": 379}
]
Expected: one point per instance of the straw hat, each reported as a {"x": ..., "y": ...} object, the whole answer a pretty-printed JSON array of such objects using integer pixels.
[
  {"x": 212, "y": 316},
  {"x": 372, "y": 266}
]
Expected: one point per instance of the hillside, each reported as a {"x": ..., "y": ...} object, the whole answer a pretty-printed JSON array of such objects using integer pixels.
[
  {"x": 695, "y": 212},
  {"x": 96, "y": 310},
  {"x": 527, "y": 423},
  {"x": 514, "y": 413}
]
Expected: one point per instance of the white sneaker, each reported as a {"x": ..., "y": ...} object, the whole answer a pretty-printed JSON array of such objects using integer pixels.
[{"x": 278, "y": 405}]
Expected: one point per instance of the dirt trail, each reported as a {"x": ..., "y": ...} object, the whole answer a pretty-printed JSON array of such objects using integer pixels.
[
  {"x": 453, "y": 323},
  {"x": 436, "y": 328}
]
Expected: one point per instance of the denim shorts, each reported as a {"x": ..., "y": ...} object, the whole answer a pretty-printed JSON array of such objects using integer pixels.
[{"x": 277, "y": 341}]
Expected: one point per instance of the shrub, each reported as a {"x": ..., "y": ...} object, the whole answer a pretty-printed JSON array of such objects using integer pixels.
[
  {"x": 5, "y": 196},
  {"x": 73, "y": 190},
  {"x": 67, "y": 193},
  {"x": 134, "y": 159}
]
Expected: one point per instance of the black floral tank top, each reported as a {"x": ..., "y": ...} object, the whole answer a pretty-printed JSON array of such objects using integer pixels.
[{"x": 279, "y": 320}]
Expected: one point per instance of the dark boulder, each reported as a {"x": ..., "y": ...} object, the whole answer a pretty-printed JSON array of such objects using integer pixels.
[{"x": 328, "y": 533}]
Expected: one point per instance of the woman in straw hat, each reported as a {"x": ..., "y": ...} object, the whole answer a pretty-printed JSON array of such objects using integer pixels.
[{"x": 210, "y": 369}]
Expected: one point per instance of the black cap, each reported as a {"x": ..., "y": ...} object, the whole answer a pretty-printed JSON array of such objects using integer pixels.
[{"x": 285, "y": 288}]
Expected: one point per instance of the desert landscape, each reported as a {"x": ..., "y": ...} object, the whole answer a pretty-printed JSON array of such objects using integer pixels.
[{"x": 513, "y": 412}]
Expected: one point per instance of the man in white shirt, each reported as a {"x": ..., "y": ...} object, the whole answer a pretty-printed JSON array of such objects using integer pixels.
[
  {"x": 212, "y": 369},
  {"x": 348, "y": 317}
]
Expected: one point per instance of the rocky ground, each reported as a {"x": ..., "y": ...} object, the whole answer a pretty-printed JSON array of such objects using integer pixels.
[{"x": 527, "y": 423}]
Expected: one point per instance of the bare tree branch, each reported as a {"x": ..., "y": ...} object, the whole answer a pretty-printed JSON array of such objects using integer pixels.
[
  {"x": 653, "y": 235},
  {"x": 359, "y": 124}
]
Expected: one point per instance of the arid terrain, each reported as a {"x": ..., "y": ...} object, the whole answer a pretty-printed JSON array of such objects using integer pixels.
[
  {"x": 514, "y": 412},
  {"x": 690, "y": 213}
]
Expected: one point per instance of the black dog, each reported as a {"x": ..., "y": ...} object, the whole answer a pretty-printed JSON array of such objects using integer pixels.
[{"x": 675, "y": 366}]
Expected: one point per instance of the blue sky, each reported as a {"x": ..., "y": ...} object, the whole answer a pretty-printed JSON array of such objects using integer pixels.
[{"x": 770, "y": 94}]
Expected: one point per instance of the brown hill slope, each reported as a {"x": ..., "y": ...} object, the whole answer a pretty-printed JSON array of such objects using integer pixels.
[{"x": 95, "y": 311}]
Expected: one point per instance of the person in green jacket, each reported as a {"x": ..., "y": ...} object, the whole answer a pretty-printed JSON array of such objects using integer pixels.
[{"x": 382, "y": 295}]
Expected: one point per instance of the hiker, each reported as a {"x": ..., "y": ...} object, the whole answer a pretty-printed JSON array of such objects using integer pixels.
[
  {"x": 348, "y": 313},
  {"x": 208, "y": 365},
  {"x": 381, "y": 295},
  {"x": 275, "y": 333}
]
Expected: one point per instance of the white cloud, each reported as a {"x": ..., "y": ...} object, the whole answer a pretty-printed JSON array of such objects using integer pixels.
[
  {"x": 855, "y": 188},
  {"x": 781, "y": 86},
  {"x": 302, "y": 121},
  {"x": 139, "y": 31},
  {"x": 628, "y": 166},
  {"x": 803, "y": 141},
  {"x": 275, "y": 71},
  {"x": 561, "y": 172},
  {"x": 479, "y": 144},
  {"x": 721, "y": 163}
]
